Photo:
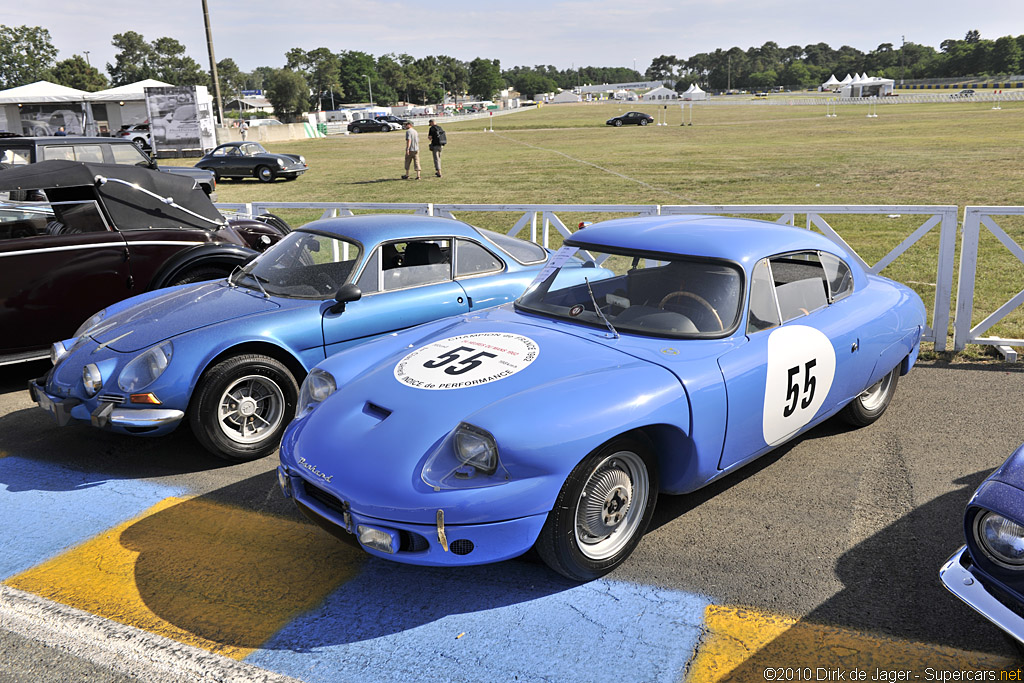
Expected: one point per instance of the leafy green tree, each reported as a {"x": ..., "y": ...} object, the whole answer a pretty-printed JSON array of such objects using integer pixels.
[
  {"x": 133, "y": 61},
  {"x": 485, "y": 78},
  {"x": 232, "y": 80},
  {"x": 353, "y": 68},
  {"x": 1006, "y": 56},
  {"x": 320, "y": 68},
  {"x": 75, "y": 72},
  {"x": 287, "y": 92},
  {"x": 662, "y": 68},
  {"x": 392, "y": 82},
  {"x": 530, "y": 84},
  {"x": 25, "y": 55},
  {"x": 173, "y": 66}
]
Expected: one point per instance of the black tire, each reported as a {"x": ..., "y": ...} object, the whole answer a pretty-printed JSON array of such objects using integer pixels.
[
  {"x": 201, "y": 274},
  {"x": 618, "y": 122},
  {"x": 872, "y": 402},
  {"x": 244, "y": 392},
  {"x": 643, "y": 122},
  {"x": 357, "y": 129},
  {"x": 264, "y": 174},
  {"x": 276, "y": 221},
  {"x": 139, "y": 142},
  {"x": 617, "y": 477},
  {"x": 217, "y": 177}
]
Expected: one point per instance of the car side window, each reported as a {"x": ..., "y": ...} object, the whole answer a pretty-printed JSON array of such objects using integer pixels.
[
  {"x": 800, "y": 284},
  {"x": 472, "y": 259},
  {"x": 416, "y": 263},
  {"x": 369, "y": 279},
  {"x": 128, "y": 155},
  {"x": 764, "y": 309},
  {"x": 838, "y": 275},
  {"x": 92, "y": 154}
]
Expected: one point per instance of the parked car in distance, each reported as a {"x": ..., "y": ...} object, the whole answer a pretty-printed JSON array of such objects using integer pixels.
[
  {"x": 17, "y": 150},
  {"x": 630, "y": 118},
  {"x": 263, "y": 122},
  {"x": 228, "y": 356},
  {"x": 106, "y": 234},
  {"x": 370, "y": 125},
  {"x": 966, "y": 92},
  {"x": 988, "y": 572},
  {"x": 138, "y": 133},
  {"x": 556, "y": 423},
  {"x": 391, "y": 118},
  {"x": 251, "y": 160}
]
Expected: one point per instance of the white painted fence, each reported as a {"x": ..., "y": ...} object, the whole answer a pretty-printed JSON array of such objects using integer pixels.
[{"x": 537, "y": 221}]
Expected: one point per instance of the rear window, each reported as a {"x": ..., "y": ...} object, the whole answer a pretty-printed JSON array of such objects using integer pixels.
[
  {"x": 521, "y": 250},
  {"x": 16, "y": 156}
]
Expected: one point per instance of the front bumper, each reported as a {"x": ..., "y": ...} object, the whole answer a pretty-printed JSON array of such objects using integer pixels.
[
  {"x": 420, "y": 544},
  {"x": 149, "y": 421},
  {"x": 965, "y": 584}
]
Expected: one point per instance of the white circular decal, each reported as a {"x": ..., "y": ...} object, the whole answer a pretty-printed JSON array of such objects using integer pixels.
[
  {"x": 468, "y": 360},
  {"x": 801, "y": 367}
]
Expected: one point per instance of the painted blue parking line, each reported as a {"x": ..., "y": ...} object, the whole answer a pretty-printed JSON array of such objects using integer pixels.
[
  {"x": 46, "y": 508},
  {"x": 395, "y": 622}
]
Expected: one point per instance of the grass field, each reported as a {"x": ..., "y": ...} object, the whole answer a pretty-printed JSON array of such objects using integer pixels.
[{"x": 957, "y": 153}]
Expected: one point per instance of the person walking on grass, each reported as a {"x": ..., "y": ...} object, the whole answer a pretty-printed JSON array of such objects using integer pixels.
[
  {"x": 438, "y": 140},
  {"x": 412, "y": 150}
]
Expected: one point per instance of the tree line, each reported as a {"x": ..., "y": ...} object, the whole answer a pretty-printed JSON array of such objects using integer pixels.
[{"x": 323, "y": 79}]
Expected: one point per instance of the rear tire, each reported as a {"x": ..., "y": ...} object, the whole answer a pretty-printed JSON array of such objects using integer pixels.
[
  {"x": 242, "y": 405},
  {"x": 872, "y": 402},
  {"x": 601, "y": 512}
]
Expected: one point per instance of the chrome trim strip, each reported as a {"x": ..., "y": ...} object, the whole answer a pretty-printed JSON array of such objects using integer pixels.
[
  {"x": 121, "y": 244},
  {"x": 964, "y": 585},
  {"x": 145, "y": 417}
]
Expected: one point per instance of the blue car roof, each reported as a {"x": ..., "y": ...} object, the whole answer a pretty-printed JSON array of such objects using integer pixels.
[
  {"x": 743, "y": 240},
  {"x": 376, "y": 228}
]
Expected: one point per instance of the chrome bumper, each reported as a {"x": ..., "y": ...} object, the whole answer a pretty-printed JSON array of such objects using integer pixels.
[
  {"x": 964, "y": 585},
  {"x": 106, "y": 414}
]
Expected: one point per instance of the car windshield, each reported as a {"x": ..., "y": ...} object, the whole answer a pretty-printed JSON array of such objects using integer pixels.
[
  {"x": 303, "y": 265},
  {"x": 654, "y": 295}
]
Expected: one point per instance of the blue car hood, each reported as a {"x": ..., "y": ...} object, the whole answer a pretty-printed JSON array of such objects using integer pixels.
[{"x": 176, "y": 312}]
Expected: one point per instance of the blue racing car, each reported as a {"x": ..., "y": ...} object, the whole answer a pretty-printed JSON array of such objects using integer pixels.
[
  {"x": 988, "y": 572},
  {"x": 229, "y": 355},
  {"x": 692, "y": 346}
]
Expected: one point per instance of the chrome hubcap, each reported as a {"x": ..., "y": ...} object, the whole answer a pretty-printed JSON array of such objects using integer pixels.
[
  {"x": 251, "y": 409},
  {"x": 606, "y": 517},
  {"x": 874, "y": 396}
]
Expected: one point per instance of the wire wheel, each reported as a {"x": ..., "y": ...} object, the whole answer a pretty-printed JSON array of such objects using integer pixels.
[{"x": 250, "y": 409}]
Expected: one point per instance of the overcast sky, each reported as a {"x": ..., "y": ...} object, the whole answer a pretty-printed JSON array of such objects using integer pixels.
[{"x": 564, "y": 33}]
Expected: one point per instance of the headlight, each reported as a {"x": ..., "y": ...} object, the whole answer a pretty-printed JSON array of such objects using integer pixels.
[
  {"x": 92, "y": 379},
  {"x": 302, "y": 160},
  {"x": 1000, "y": 539},
  {"x": 145, "y": 368},
  {"x": 90, "y": 323},
  {"x": 317, "y": 386},
  {"x": 57, "y": 352},
  {"x": 476, "y": 447},
  {"x": 280, "y": 162}
]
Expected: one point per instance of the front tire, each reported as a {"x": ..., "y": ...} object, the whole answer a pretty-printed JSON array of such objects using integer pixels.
[
  {"x": 265, "y": 174},
  {"x": 872, "y": 402},
  {"x": 242, "y": 405},
  {"x": 601, "y": 512}
]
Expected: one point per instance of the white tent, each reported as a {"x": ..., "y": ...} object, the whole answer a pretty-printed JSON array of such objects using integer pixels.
[
  {"x": 831, "y": 82},
  {"x": 564, "y": 97},
  {"x": 41, "y": 92},
  {"x": 869, "y": 87},
  {"x": 660, "y": 95},
  {"x": 131, "y": 91},
  {"x": 847, "y": 80},
  {"x": 694, "y": 93}
]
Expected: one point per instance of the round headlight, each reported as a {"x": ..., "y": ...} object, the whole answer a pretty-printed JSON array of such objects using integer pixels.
[
  {"x": 145, "y": 368},
  {"x": 92, "y": 379},
  {"x": 280, "y": 162},
  {"x": 1000, "y": 539},
  {"x": 302, "y": 160},
  {"x": 318, "y": 385},
  {"x": 57, "y": 352}
]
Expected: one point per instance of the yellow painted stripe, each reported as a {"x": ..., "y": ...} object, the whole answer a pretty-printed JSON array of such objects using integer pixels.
[
  {"x": 741, "y": 643},
  {"x": 202, "y": 573}
]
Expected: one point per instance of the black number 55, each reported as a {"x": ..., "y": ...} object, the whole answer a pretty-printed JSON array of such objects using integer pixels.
[
  {"x": 452, "y": 356},
  {"x": 793, "y": 391}
]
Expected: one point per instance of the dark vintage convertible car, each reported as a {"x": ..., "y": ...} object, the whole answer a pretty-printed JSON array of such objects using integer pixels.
[
  {"x": 105, "y": 233},
  {"x": 251, "y": 160}
]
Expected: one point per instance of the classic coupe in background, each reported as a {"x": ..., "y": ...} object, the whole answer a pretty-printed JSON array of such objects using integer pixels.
[
  {"x": 693, "y": 346},
  {"x": 632, "y": 118},
  {"x": 251, "y": 160},
  {"x": 107, "y": 232},
  {"x": 988, "y": 572},
  {"x": 229, "y": 355}
]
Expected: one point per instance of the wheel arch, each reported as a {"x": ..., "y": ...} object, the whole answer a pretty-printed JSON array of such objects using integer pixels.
[
  {"x": 204, "y": 256},
  {"x": 263, "y": 348}
]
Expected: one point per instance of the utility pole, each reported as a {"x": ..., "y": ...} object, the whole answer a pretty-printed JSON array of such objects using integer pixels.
[
  {"x": 86, "y": 53},
  {"x": 213, "y": 63},
  {"x": 903, "y": 47}
]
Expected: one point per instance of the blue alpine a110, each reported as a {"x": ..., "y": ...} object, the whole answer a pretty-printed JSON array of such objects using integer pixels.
[
  {"x": 229, "y": 355},
  {"x": 988, "y": 572},
  {"x": 692, "y": 346}
]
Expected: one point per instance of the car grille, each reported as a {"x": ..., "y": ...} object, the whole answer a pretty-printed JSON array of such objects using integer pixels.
[
  {"x": 325, "y": 499},
  {"x": 409, "y": 541},
  {"x": 110, "y": 398}
]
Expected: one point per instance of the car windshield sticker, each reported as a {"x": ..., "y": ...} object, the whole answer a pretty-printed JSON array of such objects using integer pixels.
[
  {"x": 468, "y": 360},
  {"x": 556, "y": 261},
  {"x": 801, "y": 367}
]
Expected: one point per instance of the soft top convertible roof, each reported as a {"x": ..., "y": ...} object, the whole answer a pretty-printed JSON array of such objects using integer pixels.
[{"x": 127, "y": 207}]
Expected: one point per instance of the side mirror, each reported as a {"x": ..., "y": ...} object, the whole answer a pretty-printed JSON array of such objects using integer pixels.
[{"x": 346, "y": 294}]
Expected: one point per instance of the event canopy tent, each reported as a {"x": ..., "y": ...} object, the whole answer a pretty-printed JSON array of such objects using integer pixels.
[{"x": 42, "y": 92}]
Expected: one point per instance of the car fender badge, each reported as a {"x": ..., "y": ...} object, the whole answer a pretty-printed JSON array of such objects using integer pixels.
[
  {"x": 466, "y": 361},
  {"x": 310, "y": 467},
  {"x": 575, "y": 310}
]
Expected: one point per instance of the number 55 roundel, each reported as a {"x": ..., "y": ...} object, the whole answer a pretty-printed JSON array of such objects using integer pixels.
[
  {"x": 466, "y": 361},
  {"x": 801, "y": 367}
]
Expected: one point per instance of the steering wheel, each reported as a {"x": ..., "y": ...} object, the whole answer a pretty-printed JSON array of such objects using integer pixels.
[{"x": 699, "y": 299}]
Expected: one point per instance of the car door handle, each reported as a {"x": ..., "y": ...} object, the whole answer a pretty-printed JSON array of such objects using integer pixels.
[{"x": 855, "y": 346}]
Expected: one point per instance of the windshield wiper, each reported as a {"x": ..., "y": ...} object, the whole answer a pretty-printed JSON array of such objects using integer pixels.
[
  {"x": 599, "y": 311},
  {"x": 242, "y": 272}
]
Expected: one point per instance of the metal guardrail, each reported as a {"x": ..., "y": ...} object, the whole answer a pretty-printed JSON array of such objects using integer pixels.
[
  {"x": 963, "y": 333},
  {"x": 540, "y": 218}
]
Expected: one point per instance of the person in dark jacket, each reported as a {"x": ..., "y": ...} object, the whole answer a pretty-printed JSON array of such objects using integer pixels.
[{"x": 437, "y": 142}]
